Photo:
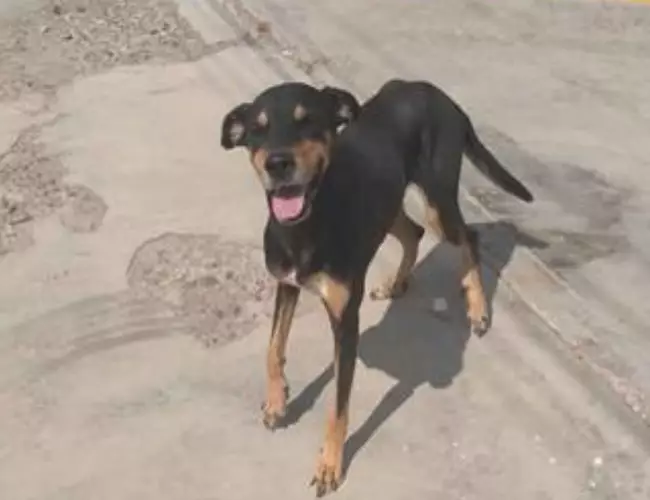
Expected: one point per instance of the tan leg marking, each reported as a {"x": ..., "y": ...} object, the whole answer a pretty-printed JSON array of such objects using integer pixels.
[
  {"x": 405, "y": 231},
  {"x": 472, "y": 285},
  {"x": 471, "y": 282},
  {"x": 433, "y": 220},
  {"x": 275, "y": 405},
  {"x": 329, "y": 468},
  {"x": 334, "y": 294}
]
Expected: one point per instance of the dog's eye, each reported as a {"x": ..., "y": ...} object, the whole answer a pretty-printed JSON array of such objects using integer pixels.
[{"x": 258, "y": 128}]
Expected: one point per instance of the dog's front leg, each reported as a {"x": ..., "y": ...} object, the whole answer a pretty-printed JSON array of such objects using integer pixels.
[
  {"x": 274, "y": 408},
  {"x": 342, "y": 303}
]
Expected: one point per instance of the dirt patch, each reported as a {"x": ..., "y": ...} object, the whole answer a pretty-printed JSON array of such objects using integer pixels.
[
  {"x": 32, "y": 187},
  {"x": 221, "y": 287},
  {"x": 47, "y": 47},
  {"x": 84, "y": 211}
]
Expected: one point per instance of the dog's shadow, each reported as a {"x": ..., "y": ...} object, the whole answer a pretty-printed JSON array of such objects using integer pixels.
[{"x": 416, "y": 342}]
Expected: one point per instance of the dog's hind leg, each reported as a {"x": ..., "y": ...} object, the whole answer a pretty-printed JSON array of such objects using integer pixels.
[
  {"x": 467, "y": 240},
  {"x": 477, "y": 309},
  {"x": 409, "y": 234},
  {"x": 439, "y": 177}
]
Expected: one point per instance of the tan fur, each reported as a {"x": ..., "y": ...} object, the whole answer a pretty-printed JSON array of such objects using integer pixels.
[
  {"x": 404, "y": 230},
  {"x": 276, "y": 391},
  {"x": 334, "y": 294},
  {"x": 311, "y": 154},
  {"x": 262, "y": 119},
  {"x": 299, "y": 113}
]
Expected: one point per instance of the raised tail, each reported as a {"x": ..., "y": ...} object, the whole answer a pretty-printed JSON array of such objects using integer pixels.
[{"x": 489, "y": 166}]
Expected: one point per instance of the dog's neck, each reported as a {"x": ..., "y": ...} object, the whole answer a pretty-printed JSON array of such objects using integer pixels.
[{"x": 297, "y": 239}]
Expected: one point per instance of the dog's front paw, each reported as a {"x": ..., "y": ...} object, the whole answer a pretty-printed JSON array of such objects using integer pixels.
[
  {"x": 327, "y": 477},
  {"x": 275, "y": 407},
  {"x": 389, "y": 290}
]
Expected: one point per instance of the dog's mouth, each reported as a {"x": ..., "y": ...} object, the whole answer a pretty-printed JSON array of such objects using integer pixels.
[{"x": 291, "y": 203}]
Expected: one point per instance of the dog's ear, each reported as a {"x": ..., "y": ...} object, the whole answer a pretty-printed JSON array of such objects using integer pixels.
[
  {"x": 233, "y": 127},
  {"x": 345, "y": 105}
]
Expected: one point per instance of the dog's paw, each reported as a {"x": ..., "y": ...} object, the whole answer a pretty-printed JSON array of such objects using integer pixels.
[
  {"x": 389, "y": 290},
  {"x": 274, "y": 408},
  {"x": 480, "y": 326},
  {"x": 477, "y": 312},
  {"x": 327, "y": 477}
]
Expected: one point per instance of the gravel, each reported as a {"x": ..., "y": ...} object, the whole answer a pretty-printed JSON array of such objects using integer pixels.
[
  {"x": 31, "y": 187},
  {"x": 221, "y": 287},
  {"x": 49, "y": 46}
]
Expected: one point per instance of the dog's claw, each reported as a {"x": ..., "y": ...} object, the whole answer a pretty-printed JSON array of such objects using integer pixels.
[
  {"x": 271, "y": 419},
  {"x": 324, "y": 486},
  {"x": 274, "y": 411},
  {"x": 327, "y": 479},
  {"x": 480, "y": 326}
]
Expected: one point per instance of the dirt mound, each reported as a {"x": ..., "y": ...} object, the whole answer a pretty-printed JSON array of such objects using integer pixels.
[{"x": 221, "y": 287}]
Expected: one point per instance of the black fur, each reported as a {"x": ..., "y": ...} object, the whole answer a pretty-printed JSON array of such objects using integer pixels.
[{"x": 408, "y": 133}]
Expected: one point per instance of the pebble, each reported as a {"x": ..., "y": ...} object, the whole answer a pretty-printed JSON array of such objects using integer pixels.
[{"x": 439, "y": 304}]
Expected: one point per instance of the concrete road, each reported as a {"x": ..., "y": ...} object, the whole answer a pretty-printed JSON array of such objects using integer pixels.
[
  {"x": 103, "y": 394},
  {"x": 11, "y": 8}
]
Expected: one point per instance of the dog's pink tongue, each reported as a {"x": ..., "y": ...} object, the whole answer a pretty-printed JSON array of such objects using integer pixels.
[{"x": 287, "y": 208}]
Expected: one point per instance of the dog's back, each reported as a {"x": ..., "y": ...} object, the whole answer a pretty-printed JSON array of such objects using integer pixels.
[
  {"x": 408, "y": 116},
  {"x": 432, "y": 132}
]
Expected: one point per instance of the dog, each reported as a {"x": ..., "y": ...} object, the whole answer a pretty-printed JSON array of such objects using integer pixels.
[{"x": 335, "y": 175}]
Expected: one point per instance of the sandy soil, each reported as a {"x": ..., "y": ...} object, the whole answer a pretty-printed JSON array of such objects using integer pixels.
[
  {"x": 48, "y": 46},
  {"x": 221, "y": 287}
]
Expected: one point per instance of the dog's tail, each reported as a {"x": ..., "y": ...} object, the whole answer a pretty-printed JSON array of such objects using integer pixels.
[{"x": 489, "y": 166}]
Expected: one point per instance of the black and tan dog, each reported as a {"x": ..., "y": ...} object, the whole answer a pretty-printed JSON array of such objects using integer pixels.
[{"x": 333, "y": 197}]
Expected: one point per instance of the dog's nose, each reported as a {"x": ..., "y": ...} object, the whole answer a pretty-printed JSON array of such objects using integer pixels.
[{"x": 278, "y": 162}]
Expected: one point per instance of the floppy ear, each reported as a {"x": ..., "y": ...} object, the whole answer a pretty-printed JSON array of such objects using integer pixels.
[
  {"x": 233, "y": 127},
  {"x": 345, "y": 105}
]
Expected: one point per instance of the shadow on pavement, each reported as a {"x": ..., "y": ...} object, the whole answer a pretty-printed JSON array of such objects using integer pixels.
[{"x": 412, "y": 343}]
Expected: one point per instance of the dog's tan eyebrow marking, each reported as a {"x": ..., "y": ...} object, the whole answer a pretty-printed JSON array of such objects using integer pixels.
[
  {"x": 262, "y": 119},
  {"x": 299, "y": 113}
]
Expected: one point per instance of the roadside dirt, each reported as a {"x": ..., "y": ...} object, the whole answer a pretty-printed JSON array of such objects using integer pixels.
[
  {"x": 50, "y": 46},
  {"x": 31, "y": 187},
  {"x": 47, "y": 47},
  {"x": 220, "y": 287}
]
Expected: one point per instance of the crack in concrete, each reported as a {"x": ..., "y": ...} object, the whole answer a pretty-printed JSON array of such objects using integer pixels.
[{"x": 259, "y": 33}]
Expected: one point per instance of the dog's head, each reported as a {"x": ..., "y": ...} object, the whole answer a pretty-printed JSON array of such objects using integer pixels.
[{"x": 288, "y": 131}]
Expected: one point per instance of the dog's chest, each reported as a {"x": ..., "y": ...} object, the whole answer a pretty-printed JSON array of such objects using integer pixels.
[
  {"x": 294, "y": 275},
  {"x": 289, "y": 277},
  {"x": 296, "y": 271},
  {"x": 295, "y": 259}
]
